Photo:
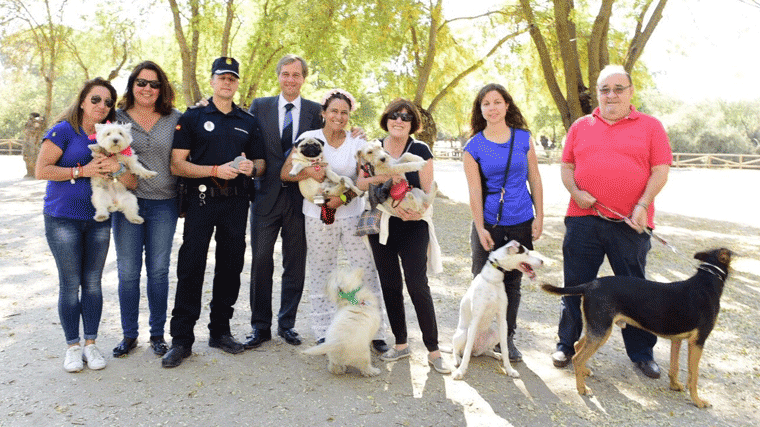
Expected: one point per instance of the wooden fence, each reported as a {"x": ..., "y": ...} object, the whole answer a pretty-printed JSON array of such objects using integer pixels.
[
  {"x": 10, "y": 146},
  {"x": 728, "y": 161},
  {"x": 680, "y": 160}
]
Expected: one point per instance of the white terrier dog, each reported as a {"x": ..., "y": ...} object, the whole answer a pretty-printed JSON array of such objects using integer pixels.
[
  {"x": 374, "y": 160},
  {"x": 350, "y": 334},
  {"x": 486, "y": 300},
  {"x": 108, "y": 194}
]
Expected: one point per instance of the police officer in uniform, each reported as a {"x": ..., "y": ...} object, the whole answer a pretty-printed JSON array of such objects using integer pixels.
[{"x": 217, "y": 149}]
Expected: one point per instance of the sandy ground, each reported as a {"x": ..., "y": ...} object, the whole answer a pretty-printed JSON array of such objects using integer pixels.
[{"x": 276, "y": 384}]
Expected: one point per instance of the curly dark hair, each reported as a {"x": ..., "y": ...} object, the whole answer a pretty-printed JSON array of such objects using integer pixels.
[
  {"x": 514, "y": 117},
  {"x": 74, "y": 113},
  {"x": 165, "y": 101},
  {"x": 396, "y": 106}
]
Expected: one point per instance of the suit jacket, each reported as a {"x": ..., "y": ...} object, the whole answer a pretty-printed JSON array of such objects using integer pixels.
[{"x": 270, "y": 185}]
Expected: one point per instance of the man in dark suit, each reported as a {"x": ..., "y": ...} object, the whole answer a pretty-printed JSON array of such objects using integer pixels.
[{"x": 277, "y": 208}]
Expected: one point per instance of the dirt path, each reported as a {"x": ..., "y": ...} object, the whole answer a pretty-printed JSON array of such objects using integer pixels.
[{"x": 277, "y": 385}]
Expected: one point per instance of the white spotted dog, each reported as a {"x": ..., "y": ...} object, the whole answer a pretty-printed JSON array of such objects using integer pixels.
[
  {"x": 374, "y": 160},
  {"x": 108, "y": 194},
  {"x": 348, "y": 339},
  {"x": 486, "y": 300},
  {"x": 307, "y": 152}
]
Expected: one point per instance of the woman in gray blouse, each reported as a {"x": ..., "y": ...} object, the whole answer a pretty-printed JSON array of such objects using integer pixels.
[{"x": 148, "y": 105}]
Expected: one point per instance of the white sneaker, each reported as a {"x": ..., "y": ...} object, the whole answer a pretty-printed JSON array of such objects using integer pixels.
[
  {"x": 93, "y": 357},
  {"x": 73, "y": 361}
]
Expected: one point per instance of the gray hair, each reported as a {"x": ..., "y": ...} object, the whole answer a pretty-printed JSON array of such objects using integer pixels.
[
  {"x": 611, "y": 70},
  {"x": 289, "y": 59}
]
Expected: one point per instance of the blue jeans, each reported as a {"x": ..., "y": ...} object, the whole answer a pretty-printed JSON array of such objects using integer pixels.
[
  {"x": 587, "y": 240},
  {"x": 155, "y": 235},
  {"x": 80, "y": 248}
]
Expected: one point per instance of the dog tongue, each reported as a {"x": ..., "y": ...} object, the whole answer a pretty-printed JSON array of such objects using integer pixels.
[{"x": 528, "y": 270}]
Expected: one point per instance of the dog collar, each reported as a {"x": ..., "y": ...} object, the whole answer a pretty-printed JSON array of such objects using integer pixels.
[
  {"x": 350, "y": 296},
  {"x": 706, "y": 266},
  {"x": 496, "y": 265}
]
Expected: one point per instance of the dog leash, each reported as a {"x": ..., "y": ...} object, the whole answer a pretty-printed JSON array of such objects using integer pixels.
[
  {"x": 623, "y": 218},
  {"x": 704, "y": 266}
]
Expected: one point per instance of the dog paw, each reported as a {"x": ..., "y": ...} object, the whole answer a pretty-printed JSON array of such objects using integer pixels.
[
  {"x": 371, "y": 372},
  {"x": 676, "y": 385},
  {"x": 336, "y": 369},
  {"x": 585, "y": 391},
  {"x": 136, "y": 220},
  {"x": 148, "y": 174},
  {"x": 100, "y": 217},
  {"x": 458, "y": 374},
  {"x": 513, "y": 373},
  {"x": 701, "y": 403}
]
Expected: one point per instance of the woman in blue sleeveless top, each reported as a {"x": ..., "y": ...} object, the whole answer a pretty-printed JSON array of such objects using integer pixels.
[{"x": 499, "y": 159}]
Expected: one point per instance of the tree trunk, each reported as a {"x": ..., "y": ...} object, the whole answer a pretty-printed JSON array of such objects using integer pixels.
[
  {"x": 546, "y": 65},
  {"x": 428, "y": 131},
  {"x": 190, "y": 89},
  {"x": 30, "y": 147}
]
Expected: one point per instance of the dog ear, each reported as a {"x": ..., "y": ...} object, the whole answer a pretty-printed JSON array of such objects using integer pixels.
[
  {"x": 98, "y": 126},
  {"x": 128, "y": 126},
  {"x": 320, "y": 141},
  {"x": 513, "y": 247}
]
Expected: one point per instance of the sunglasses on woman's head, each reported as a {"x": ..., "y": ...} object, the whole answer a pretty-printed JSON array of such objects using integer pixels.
[
  {"x": 405, "y": 117},
  {"x": 154, "y": 84},
  {"x": 95, "y": 100}
]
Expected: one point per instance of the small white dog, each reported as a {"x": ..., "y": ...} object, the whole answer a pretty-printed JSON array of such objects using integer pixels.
[
  {"x": 308, "y": 152},
  {"x": 374, "y": 160},
  {"x": 108, "y": 194},
  {"x": 486, "y": 300},
  {"x": 356, "y": 322}
]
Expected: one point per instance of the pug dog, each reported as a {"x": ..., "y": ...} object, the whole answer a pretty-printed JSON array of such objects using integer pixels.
[
  {"x": 307, "y": 152},
  {"x": 108, "y": 194}
]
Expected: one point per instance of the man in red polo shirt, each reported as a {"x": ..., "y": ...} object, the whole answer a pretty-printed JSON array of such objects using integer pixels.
[{"x": 615, "y": 162}]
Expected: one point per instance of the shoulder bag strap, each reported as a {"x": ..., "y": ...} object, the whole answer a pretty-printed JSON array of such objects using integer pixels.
[{"x": 506, "y": 174}]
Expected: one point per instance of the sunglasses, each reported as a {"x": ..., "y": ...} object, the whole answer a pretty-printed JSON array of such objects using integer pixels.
[
  {"x": 405, "y": 117},
  {"x": 95, "y": 100},
  {"x": 154, "y": 84}
]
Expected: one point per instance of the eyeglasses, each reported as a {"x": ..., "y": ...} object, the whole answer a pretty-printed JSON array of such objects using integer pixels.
[
  {"x": 617, "y": 90},
  {"x": 96, "y": 99},
  {"x": 154, "y": 84},
  {"x": 406, "y": 117}
]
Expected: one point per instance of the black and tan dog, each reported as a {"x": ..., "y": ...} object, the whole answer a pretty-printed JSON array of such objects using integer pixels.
[{"x": 680, "y": 310}]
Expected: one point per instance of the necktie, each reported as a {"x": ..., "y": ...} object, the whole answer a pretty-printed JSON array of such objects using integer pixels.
[{"x": 287, "y": 129}]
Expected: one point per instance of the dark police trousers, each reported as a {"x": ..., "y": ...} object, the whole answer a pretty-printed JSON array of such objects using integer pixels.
[{"x": 228, "y": 215}]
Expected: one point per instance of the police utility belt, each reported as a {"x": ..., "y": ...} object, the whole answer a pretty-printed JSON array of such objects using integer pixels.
[{"x": 202, "y": 191}]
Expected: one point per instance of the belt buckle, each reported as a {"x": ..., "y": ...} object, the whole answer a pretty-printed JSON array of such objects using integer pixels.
[{"x": 202, "y": 194}]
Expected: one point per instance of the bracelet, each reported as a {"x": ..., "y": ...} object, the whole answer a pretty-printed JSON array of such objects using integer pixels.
[
  {"x": 317, "y": 168},
  {"x": 120, "y": 172},
  {"x": 642, "y": 205},
  {"x": 344, "y": 199},
  {"x": 75, "y": 172},
  {"x": 213, "y": 170}
]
